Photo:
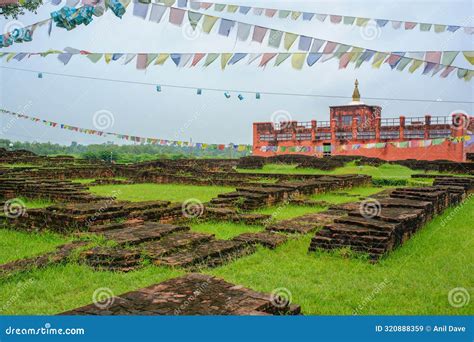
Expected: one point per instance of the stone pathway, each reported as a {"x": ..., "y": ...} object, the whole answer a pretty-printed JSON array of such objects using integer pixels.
[{"x": 192, "y": 294}]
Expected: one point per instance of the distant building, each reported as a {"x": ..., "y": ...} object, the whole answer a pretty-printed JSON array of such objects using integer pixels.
[{"x": 359, "y": 129}]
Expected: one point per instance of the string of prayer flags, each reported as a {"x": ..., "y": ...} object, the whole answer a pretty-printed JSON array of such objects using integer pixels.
[
  {"x": 435, "y": 61},
  {"x": 351, "y": 147},
  {"x": 345, "y": 54},
  {"x": 142, "y": 140},
  {"x": 321, "y": 17},
  {"x": 259, "y": 34},
  {"x": 68, "y": 17}
]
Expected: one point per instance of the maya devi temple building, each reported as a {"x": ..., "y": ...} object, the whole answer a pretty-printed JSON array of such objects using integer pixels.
[{"x": 359, "y": 129}]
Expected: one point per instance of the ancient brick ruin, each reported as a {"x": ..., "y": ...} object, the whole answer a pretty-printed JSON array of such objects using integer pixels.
[
  {"x": 380, "y": 225},
  {"x": 192, "y": 294},
  {"x": 134, "y": 234},
  {"x": 332, "y": 162}
]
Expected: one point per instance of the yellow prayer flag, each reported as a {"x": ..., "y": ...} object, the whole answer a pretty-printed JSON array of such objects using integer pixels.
[
  {"x": 289, "y": 40},
  {"x": 378, "y": 59},
  {"x": 439, "y": 28},
  {"x": 356, "y": 52},
  {"x": 297, "y": 60},
  {"x": 10, "y": 56},
  {"x": 161, "y": 59},
  {"x": 107, "y": 57},
  {"x": 224, "y": 59},
  {"x": 415, "y": 65},
  {"x": 208, "y": 23},
  {"x": 295, "y": 15},
  {"x": 232, "y": 8},
  {"x": 362, "y": 21},
  {"x": 469, "y": 55},
  {"x": 468, "y": 77}
]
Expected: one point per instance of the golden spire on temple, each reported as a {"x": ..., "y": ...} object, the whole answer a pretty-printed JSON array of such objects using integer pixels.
[{"x": 356, "y": 94}]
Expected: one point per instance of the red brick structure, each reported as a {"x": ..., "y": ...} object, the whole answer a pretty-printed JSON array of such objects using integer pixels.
[{"x": 359, "y": 129}]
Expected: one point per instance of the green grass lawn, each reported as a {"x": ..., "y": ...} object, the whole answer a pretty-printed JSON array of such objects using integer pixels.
[
  {"x": 16, "y": 245},
  {"x": 17, "y": 165},
  {"x": 287, "y": 211},
  {"x": 347, "y": 195},
  {"x": 225, "y": 230},
  {"x": 165, "y": 192},
  {"x": 90, "y": 180},
  {"x": 390, "y": 171},
  {"x": 83, "y": 180},
  {"x": 28, "y": 203},
  {"x": 59, "y": 288},
  {"x": 37, "y": 203},
  {"x": 413, "y": 280}
]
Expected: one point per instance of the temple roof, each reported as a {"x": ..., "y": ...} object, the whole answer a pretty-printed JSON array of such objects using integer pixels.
[{"x": 356, "y": 94}]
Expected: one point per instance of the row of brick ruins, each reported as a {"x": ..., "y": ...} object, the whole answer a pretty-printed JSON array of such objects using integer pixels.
[
  {"x": 379, "y": 225},
  {"x": 158, "y": 232}
]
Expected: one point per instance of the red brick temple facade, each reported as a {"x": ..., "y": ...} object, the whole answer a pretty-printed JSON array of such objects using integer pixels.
[{"x": 359, "y": 129}]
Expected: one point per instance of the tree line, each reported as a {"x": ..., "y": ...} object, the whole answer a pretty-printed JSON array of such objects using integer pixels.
[{"x": 119, "y": 153}]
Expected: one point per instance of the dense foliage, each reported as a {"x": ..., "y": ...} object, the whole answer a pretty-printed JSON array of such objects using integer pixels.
[
  {"x": 14, "y": 10},
  {"x": 120, "y": 153}
]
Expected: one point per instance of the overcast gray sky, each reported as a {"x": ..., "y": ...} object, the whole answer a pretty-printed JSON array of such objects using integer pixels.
[{"x": 180, "y": 114}]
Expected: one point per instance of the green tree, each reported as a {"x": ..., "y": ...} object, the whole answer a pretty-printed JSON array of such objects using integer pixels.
[{"x": 14, "y": 10}]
